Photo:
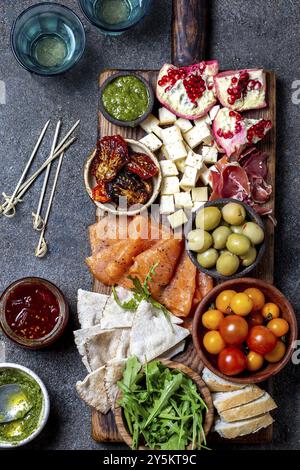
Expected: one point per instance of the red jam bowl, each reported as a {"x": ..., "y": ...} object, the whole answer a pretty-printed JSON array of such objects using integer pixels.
[{"x": 33, "y": 312}]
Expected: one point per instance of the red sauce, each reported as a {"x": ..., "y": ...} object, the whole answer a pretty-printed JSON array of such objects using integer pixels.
[{"x": 32, "y": 311}]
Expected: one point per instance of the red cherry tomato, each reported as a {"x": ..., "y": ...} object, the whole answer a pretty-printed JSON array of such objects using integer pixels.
[
  {"x": 232, "y": 361},
  {"x": 261, "y": 340},
  {"x": 234, "y": 329},
  {"x": 254, "y": 319}
]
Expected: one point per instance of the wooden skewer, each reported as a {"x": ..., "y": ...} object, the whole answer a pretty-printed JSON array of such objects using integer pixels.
[
  {"x": 23, "y": 188},
  {"x": 42, "y": 248},
  {"x": 9, "y": 206},
  {"x": 37, "y": 219}
]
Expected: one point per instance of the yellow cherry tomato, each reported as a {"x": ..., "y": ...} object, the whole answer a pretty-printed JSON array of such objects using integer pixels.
[
  {"x": 257, "y": 297},
  {"x": 277, "y": 353},
  {"x": 213, "y": 342},
  {"x": 278, "y": 326},
  {"x": 223, "y": 300},
  {"x": 270, "y": 311},
  {"x": 241, "y": 304},
  {"x": 212, "y": 319},
  {"x": 254, "y": 361}
]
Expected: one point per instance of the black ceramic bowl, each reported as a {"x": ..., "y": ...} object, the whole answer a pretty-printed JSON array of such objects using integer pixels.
[
  {"x": 137, "y": 121},
  {"x": 251, "y": 215}
]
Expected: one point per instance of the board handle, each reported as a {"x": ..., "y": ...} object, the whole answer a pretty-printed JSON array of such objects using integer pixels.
[{"x": 189, "y": 31}]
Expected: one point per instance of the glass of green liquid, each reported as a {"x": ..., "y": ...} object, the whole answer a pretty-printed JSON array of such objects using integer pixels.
[
  {"x": 48, "y": 39},
  {"x": 114, "y": 17}
]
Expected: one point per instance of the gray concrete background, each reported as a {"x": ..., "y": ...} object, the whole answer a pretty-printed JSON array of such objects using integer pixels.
[{"x": 242, "y": 34}]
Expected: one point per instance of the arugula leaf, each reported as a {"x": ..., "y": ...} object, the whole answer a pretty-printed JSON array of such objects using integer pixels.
[
  {"x": 149, "y": 279},
  {"x": 131, "y": 305},
  {"x": 133, "y": 366}
]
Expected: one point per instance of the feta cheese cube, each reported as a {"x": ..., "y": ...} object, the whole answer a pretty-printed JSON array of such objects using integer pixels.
[
  {"x": 184, "y": 124},
  {"x": 149, "y": 123},
  {"x": 214, "y": 111},
  {"x": 196, "y": 135},
  {"x": 197, "y": 205},
  {"x": 204, "y": 174},
  {"x": 166, "y": 204},
  {"x": 170, "y": 135},
  {"x": 210, "y": 154},
  {"x": 168, "y": 168},
  {"x": 170, "y": 185},
  {"x": 203, "y": 120},
  {"x": 183, "y": 201},
  {"x": 166, "y": 117},
  {"x": 152, "y": 142},
  {"x": 157, "y": 131},
  {"x": 189, "y": 178},
  {"x": 200, "y": 194},
  {"x": 194, "y": 159},
  {"x": 177, "y": 219},
  {"x": 180, "y": 164},
  {"x": 176, "y": 151}
]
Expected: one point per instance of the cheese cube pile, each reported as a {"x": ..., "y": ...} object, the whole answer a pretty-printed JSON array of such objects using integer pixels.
[{"x": 187, "y": 155}]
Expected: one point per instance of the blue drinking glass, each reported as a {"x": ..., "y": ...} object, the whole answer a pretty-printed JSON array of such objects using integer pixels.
[
  {"x": 47, "y": 39},
  {"x": 114, "y": 17}
]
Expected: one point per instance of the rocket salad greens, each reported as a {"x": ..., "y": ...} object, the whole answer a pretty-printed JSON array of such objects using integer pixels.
[{"x": 162, "y": 407}]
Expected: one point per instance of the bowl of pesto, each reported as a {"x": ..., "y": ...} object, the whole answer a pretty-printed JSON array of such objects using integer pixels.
[
  {"x": 126, "y": 99},
  {"x": 24, "y": 405}
]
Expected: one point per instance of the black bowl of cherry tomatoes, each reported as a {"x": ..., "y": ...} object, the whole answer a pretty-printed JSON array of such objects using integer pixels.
[{"x": 245, "y": 330}]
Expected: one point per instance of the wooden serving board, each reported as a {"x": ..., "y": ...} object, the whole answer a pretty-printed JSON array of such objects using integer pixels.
[{"x": 103, "y": 426}]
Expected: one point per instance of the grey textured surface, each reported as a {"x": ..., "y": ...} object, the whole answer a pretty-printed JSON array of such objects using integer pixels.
[{"x": 263, "y": 34}]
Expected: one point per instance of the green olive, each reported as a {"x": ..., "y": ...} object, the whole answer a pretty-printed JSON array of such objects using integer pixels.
[
  {"x": 238, "y": 244},
  {"x": 237, "y": 228},
  {"x": 199, "y": 240},
  {"x": 227, "y": 264},
  {"x": 254, "y": 232},
  {"x": 234, "y": 213},
  {"x": 249, "y": 257},
  {"x": 208, "y": 258},
  {"x": 220, "y": 235},
  {"x": 208, "y": 218}
]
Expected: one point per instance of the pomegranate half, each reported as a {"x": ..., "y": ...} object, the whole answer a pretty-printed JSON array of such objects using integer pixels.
[
  {"x": 233, "y": 132},
  {"x": 241, "y": 89},
  {"x": 189, "y": 92}
]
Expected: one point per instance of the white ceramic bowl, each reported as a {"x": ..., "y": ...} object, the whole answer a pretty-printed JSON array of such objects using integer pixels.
[
  {"x": 45, "y": 409},
  {"x": 90, "y": 181}
]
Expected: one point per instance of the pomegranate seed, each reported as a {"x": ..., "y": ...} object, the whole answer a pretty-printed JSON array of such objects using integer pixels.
[
  {"x": 231, "y": 113},
  {"x": 229, "y": 135},
  {"x": 220, "y": 132},
  {"x": 257, "y": 85},
  {"x": 231, "y": 100},
  {"x": 234, "y": 80},
  {"x": 244, "y": 76},
  {"x": 238, "y": 128}
]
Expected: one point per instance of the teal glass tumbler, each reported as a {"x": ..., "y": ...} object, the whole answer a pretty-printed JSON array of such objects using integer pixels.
[
  {"x": 114, "y": 17},
  {"x": 47, "y": 39}
]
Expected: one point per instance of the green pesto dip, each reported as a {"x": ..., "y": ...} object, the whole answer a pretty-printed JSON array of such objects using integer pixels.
[
  {"x": 126, "y": 98},
  {"x": 20, "y": 429}
]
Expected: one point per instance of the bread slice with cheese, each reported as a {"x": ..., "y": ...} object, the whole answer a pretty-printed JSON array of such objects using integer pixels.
[
  {"x": 242, "y": 428},
  {"x": 226, "y": 400},
  {"x": 257, "y": 407},
  {"x": 216, "y": 383}
]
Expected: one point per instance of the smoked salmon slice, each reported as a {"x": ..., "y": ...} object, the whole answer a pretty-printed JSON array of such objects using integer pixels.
[
  {"x": 110, "y": 264},
  {"x": 204, "y": 285},
  {"x": 179, "y": 293},
  {"x": 166, "y": 254}
]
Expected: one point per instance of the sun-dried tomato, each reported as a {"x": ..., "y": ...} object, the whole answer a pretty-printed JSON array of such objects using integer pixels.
[
  {"x": 130, "y": 186},
  {"x": 99, "y": 193},
  {"x": 142, "y": 165},
  {"x": 111, "y": 156}
]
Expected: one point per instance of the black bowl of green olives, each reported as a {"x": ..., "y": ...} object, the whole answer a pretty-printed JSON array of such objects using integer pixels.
[{"x": 225, "y": 238}]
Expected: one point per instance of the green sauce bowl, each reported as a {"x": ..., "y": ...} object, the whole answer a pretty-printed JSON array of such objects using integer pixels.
[
  {"x": 45, "y": 409},
  {"x": 109, "y": 82}
]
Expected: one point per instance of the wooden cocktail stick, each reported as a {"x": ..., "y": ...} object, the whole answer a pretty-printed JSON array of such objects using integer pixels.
[{"x": 37, "y": 219}]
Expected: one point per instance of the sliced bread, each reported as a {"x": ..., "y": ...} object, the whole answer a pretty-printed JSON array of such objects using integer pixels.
[
  {"x": 242, "y": 428},
  {"x": 226, "y": 400},
  {"x": 217, "y": 384},
  {"x": 256, "y": 407}
]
